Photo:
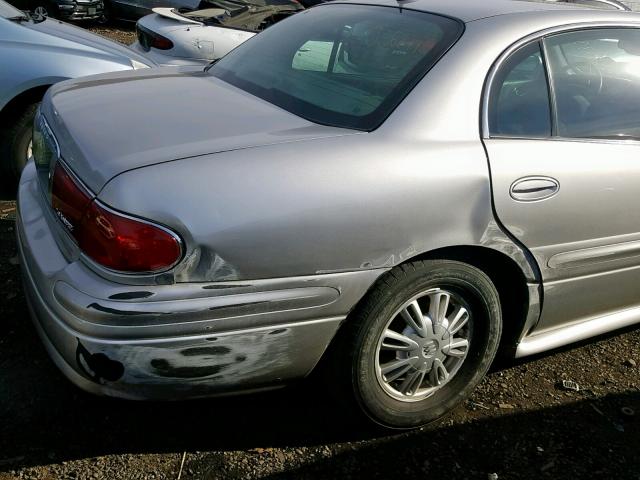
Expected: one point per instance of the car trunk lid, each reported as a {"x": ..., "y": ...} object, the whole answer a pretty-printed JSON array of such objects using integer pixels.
[{"x": 109, "y": 124}]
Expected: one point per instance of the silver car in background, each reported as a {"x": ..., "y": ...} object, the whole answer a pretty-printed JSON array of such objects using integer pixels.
[
  {"x": 327, "y": 191},
  {"x": 35, "y": 54}
]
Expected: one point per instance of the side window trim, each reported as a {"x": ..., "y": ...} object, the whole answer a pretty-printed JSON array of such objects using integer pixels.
[
  {"x": 502, "y": 72},
  {"x": 553, "y": 103},
  {"x": 485, "y": 130}
]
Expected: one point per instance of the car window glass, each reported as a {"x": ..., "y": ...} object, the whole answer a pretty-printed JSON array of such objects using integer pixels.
[
  {"x": 340, "y": 65},
  {"x": 519, "y": 99},
  {"x": 596, "y": 79}
]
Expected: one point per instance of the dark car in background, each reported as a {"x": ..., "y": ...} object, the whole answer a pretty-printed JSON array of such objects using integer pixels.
[
  {"x": 134, "y": 9},
  {"x": 62, "y": 9}
]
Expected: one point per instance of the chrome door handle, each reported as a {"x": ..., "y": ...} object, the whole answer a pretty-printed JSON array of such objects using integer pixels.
[{"x": 532, "y": 189}]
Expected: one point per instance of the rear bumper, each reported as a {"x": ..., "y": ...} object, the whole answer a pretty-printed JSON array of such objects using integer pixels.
[{"x": 174, "y": 341}]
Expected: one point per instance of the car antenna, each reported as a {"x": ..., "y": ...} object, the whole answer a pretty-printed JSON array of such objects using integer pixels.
[{"x": 402, "y": 2}]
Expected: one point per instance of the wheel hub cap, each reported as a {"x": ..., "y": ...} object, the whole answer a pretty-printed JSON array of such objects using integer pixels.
[
  {"x": 423, "y": 345},
  {"x": 430, "y": 348}
]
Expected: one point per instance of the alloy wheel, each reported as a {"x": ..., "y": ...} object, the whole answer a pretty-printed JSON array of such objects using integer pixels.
[
  {"x": 41, "y": 11},
  {"x": 423, "y": 345}
]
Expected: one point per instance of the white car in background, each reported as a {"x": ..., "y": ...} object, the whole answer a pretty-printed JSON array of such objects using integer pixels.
[{"x": 172, "y": 36}]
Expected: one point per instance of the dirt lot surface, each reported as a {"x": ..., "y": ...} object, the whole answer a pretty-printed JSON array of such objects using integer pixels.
[
  {"x": 520, "y": 424},
  {"x": 123, "y": 32}
]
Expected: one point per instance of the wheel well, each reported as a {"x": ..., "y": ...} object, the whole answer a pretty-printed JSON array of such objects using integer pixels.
[
  {"x": 503, "y": 272},
  {"x": 20, "y": 101},
  {"x": 508, "y": 279}
]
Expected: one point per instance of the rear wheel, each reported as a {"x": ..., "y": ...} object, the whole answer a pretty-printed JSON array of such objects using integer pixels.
[
  {"x": 15, "y": 143},
  {"x": 421, "y": 341},
  {"x": 106, "y": 14}
]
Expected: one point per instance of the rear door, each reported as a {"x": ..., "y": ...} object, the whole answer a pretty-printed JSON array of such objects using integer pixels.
[{"x": 562, "y": 133}]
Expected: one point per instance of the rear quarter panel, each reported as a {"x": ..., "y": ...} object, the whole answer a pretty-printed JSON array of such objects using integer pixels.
[
  {"x": 418, "y": 183},
  {"x": 348, "y": 203}
]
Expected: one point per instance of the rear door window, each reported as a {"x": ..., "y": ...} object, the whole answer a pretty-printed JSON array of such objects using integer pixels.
[{"x": 519, "y": 99}]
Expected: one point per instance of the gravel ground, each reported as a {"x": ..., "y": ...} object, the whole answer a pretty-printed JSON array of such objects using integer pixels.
[
  {"x": 123, "y": 32},
  {"x": 519, "y": 424}
]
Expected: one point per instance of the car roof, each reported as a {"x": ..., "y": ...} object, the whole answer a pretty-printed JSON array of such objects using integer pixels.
[{"x": 471, "y": 10}]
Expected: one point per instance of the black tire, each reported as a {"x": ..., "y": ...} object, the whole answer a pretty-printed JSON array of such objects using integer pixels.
[
  {"x": 14, "y": 143},
  {"x": 363, "y": 332},
  {"x": 105, "y": 19}
]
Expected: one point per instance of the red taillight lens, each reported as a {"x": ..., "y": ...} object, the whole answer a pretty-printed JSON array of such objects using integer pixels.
[
  {"x": 148, "y": 39},
  {"x": 125, "y": 244},
  {"x": 160, "y": 42},
  {"x": 111, "y": 239},
  {"x": 69, "y": 200}
]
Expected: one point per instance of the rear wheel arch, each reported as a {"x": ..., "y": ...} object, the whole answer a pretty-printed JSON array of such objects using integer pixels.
[
  {"x": 16, "y": 118},
  {"x": 504, "y": 272},
  {"x": 455, "y": 265},
  {"x": 507, "y": 277},
  {"x": 20, "y": 101}
]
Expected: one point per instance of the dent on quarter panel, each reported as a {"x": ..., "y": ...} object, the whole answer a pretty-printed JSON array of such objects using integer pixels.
[
  {"x": 328, "y": 205},
  {"x": 495, "y": 238},
  {"x": 203, "y": 264}
]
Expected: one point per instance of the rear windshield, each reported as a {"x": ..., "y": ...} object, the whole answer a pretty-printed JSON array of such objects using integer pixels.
[{"x": 341, "y": 65}]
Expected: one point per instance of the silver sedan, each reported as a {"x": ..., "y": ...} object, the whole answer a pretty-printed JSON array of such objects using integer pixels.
[
  {"x": 391, "y": 192},
  {"x": 35, "y": 53}
]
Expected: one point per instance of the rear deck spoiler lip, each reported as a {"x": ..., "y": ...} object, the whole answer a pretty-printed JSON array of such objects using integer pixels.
[{"x": 170, "y": 14}]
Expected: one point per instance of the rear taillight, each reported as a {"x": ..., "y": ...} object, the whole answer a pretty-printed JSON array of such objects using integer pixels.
[
  {"x": 68, "y": 199},
  {"x": 148, "y": 38},
  {"x": 109, "y": 238},
  {"x": 124, "y": 243},
  {"x": 161, "y": 43}
]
